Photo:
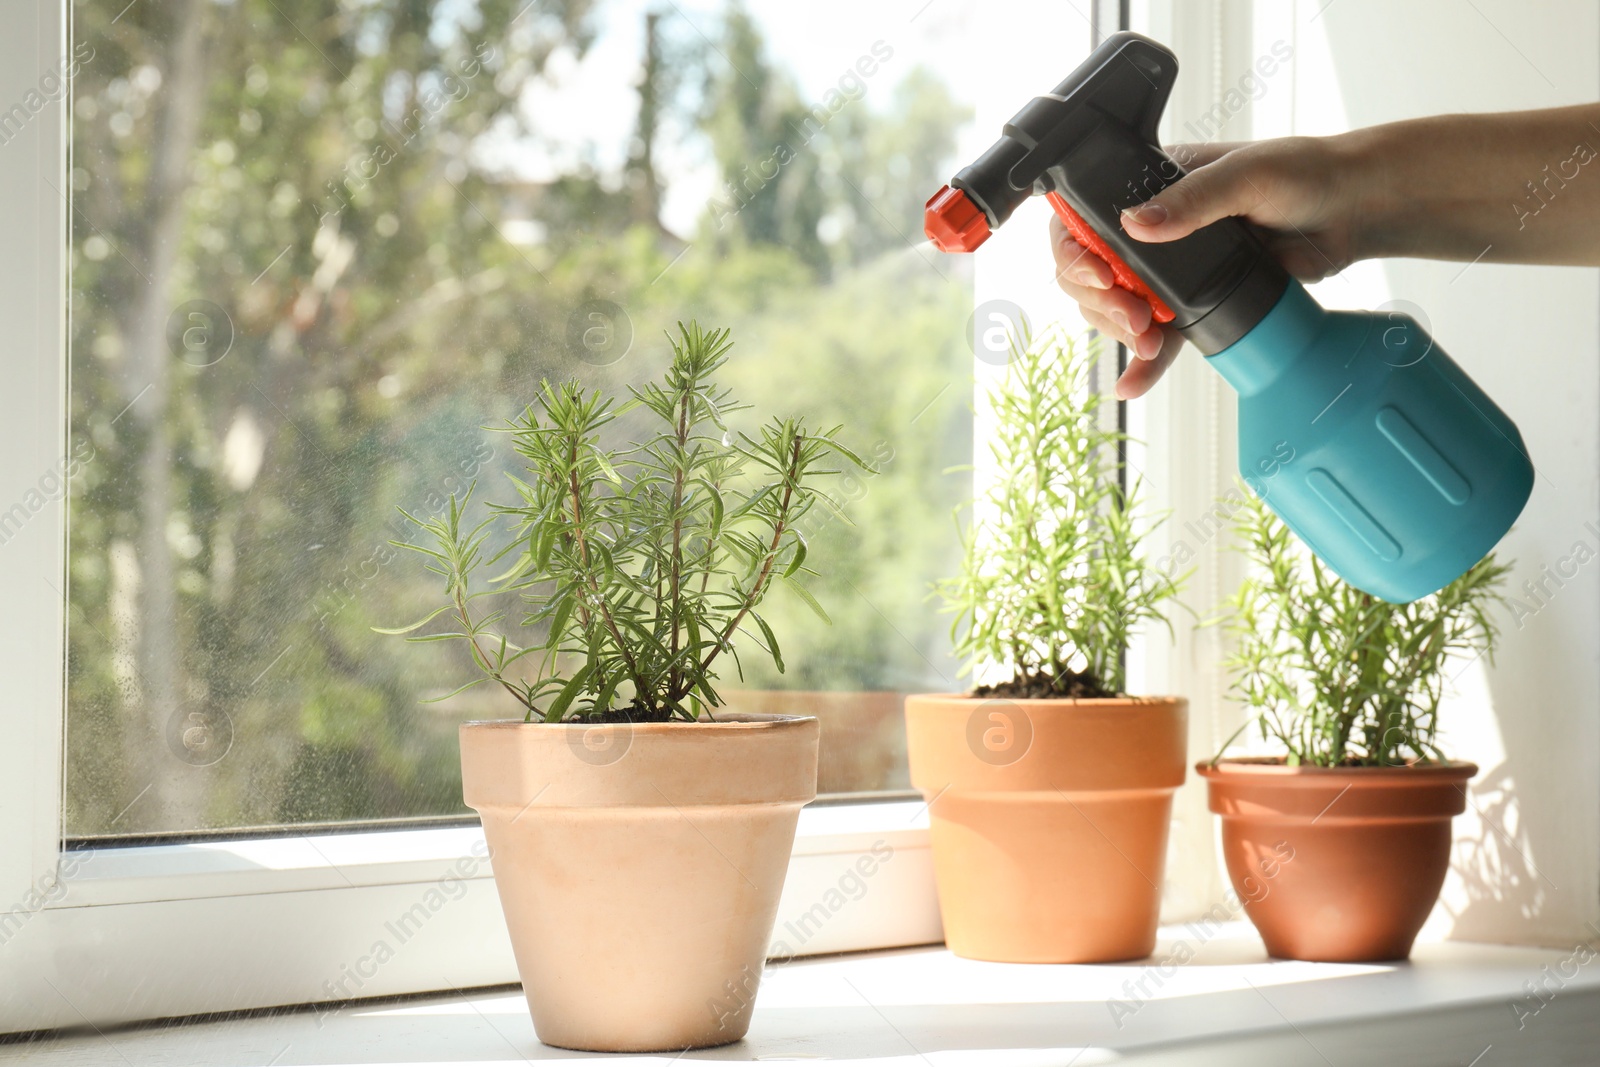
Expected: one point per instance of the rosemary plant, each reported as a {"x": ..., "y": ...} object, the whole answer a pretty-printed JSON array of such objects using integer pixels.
[
  {"x": 641, "y": 568},
  {"x": 1337, "y": 676},
  {"x": 1052, "y": 582}
]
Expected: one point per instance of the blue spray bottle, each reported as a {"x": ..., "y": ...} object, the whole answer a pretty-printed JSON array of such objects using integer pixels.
[{"x": 1405, "y": 472}]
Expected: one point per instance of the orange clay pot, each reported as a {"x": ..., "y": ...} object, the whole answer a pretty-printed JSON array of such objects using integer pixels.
[
  {"x": 1337, "y": 864},
  {"x": 601, "y": 836},
  {"x": 1049, "y": 821}
]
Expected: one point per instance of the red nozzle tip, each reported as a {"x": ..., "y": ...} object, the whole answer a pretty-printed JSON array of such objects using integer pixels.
[{"x": 953, "y": 222}]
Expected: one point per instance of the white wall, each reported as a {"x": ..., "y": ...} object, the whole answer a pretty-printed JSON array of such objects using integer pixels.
[
  {"x": 1526, "y": 866},
  {"x": 1527, "y": 861}
]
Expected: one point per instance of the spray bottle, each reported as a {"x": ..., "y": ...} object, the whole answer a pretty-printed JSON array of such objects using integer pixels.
[{"x": 1405, "y": 472}]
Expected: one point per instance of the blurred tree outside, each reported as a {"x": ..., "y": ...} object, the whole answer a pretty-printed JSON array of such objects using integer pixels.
[{"x": 303, "y": 287}]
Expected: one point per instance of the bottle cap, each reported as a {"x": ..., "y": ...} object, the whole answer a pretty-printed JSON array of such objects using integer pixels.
[{"x": 953, "y": 222}]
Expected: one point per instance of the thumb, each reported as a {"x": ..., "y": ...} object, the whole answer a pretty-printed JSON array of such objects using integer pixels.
[{"x": 1198, "y": 199}]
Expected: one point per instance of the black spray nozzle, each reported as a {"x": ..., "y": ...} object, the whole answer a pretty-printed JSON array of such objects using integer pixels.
[{"x": 1093, "y": 141}]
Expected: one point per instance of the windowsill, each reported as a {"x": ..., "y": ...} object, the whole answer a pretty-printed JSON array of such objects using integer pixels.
[
  {"x": 1455, "y": 1003},
  {"x": 256, "y": 922},
  {"x": 321, "y": 860}
]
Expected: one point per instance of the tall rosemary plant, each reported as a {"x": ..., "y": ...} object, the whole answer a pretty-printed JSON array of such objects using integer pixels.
[
  {"x": 1337, "y": 676},
  {"x": 641, "y": 570},
  {"x": 1052, "y": 582}
]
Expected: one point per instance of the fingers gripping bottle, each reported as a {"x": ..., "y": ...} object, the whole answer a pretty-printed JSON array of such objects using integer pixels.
[{"x": 1405, "y": 473}]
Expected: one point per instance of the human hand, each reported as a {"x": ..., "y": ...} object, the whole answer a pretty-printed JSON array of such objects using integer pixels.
[{"x": 1303, "y": 194}]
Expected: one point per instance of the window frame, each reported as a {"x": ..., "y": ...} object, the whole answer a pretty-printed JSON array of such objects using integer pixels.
[
  {"x": 102, "y": 935},
  {"x": 33, "y": 419}
]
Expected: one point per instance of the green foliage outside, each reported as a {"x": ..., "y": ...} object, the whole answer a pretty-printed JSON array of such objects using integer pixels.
[
  {"x": 319, "y": 183},
  {"x": 1337, "y": 676},
  {"x": 1053, "y": 582}
]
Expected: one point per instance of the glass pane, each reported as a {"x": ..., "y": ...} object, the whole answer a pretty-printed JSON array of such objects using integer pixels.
[{"x": 317, "y": 248}]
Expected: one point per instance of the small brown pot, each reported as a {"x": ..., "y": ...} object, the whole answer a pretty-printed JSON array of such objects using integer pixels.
[
  {"x": 639, "y": 868},
  {"x": 1049, "y": 821},
  {"x": 1337, "y": 864}
]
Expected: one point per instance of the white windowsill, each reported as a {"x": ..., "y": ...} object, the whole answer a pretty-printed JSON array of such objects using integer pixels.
[
  {"x": 205, "y": 927},
  {"x": 332, "y": 860},
  {"x": 1453, "y": 1004}
]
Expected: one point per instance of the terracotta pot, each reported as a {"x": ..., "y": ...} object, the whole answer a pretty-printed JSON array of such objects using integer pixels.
[
  {"x": 639, "y": 868},
  {"x": 1357, "y": 855},
  {"x": 1049, "y": 821}
]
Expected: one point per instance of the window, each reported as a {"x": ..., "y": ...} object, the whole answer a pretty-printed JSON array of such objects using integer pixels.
[
  {"x": 315, "y": 255},
  {"x": 274, "y": 269}
]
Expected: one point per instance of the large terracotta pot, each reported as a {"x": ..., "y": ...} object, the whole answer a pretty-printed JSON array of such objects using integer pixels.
[
  {"x": 639, "y": 867},
  {"x": 1356, "y": 855},
  {"x": 1049, "y": 821}
]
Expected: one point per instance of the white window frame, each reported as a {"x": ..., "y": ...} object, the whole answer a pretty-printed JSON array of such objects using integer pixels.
[
  {"x": 1188, "y": 453},
  {"x": 138, "y": 932}
]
